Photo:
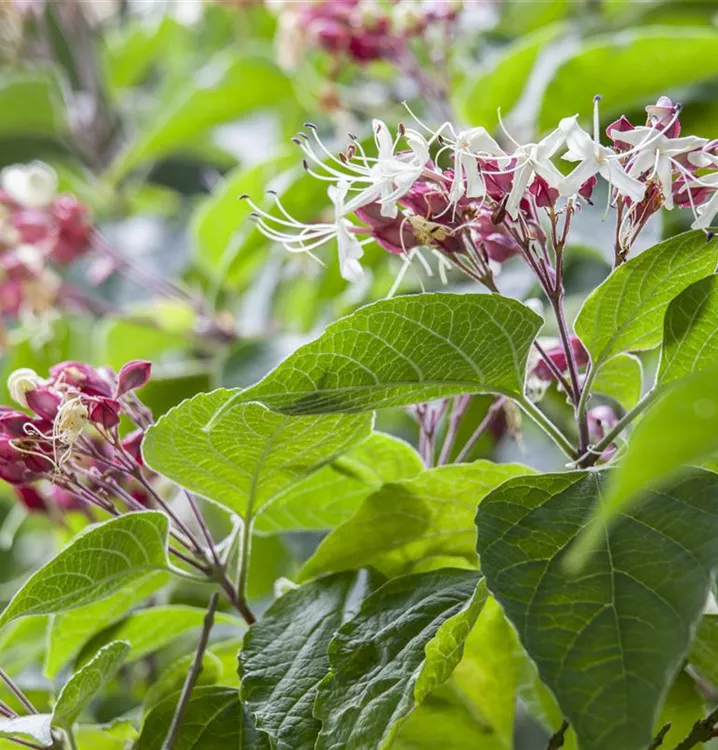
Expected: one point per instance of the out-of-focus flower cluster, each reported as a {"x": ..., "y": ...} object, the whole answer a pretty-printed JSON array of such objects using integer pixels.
[
  {"x": 358, "y": 30},
  {"x": 475, "y": 203},
  {"x": 66, "y": 450},
  {"x": 40, "y": 231}
]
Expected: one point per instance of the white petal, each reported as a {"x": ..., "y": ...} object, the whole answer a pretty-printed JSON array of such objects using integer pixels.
[
  {"x": 350, "y": 251},
  {"x": 384, "y": 141},
  {"x": 522, "y": 177},
  {"x": 706, "y": 213},
  {"x": 626, "y": 185},
  {"x": 664, "y": 172},
  {"x": 31, "y": 185},
  {"x": 475, "y": 185},
  {"x": 572, "y": 182}
]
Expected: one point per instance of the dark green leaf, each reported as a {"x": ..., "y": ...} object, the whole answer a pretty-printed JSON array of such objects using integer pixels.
[
  {"x": 403, "y": 351},
  {"x": 250, "y": 455},
  {"x": 285, "y": 657},
  {"x": 214, "y": 719},
  {"x": 690, "y": 340},
  {"x": 332, "y": 495},
  {"x": 97, "y": 563},
  {"x": 406, "y": 522},
  {"x": 626, "y": 312},
  {"x": 704, "y": 651},
  {"x": 607, "y": 642},
  {"x": 405, "y": 641},
  {"x": 84, "y": 685}
]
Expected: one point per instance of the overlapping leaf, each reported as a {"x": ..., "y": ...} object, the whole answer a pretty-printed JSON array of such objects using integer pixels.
[
  {"x": 608, "y": 641},
  {"x": 250, "y": 456},
  {"x": 621, "y": 378},
  {"x": 97, "y": 563},
  {"x": 406, "y": 522}
]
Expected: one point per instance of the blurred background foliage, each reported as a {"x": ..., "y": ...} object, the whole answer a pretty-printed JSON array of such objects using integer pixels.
[{"x": 159, "y": 115}]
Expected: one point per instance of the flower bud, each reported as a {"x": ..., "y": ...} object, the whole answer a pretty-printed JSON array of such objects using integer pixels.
[
  {"x": 20, "y": 382},
  {"x": 132, "y": 444},
  {"x": 133, "y": 375},
  {"x": 30, "y": 185},
  {"x": 105, "y": 412},
  {"x": 557, "y": 355},
  {"x": 43, "y": 402}
]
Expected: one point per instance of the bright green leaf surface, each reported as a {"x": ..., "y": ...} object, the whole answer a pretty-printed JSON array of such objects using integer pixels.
[
  {"x": 403, "y": 351},
  {"x": 621, "y": 378},
  {"x": 251, "y": 455},
  {"x": 684, "y": 706},
  {"x": 70, "y": 631},
  {"x": 405, "y": 641},
  {"x": 332, "y": 495},
  {"x": 406, "y": 522},
  {"x": 690, "y": 333},
  {"x": 96, "y": 564},
  {"x": 625, "y": 313},
  {"x": 32, "y": 104},
  {"x": 172, "y": 679},
  {"x": 214, "y": 718},
  {"x": 152, "y": 629},
  {"x": 594, "y": 636},
  {"x": 628, "y": 69},
  {"x": 285, "y": 657},
  {"x": 36, "y": 727},
  {"x": 87, "y": 682}
]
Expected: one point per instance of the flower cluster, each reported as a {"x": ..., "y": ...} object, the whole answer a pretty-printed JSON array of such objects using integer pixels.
[
  {"x": 475, "y": 203},
  {"x": 68, "y": 448},
  {"x": 39, "y": 231},
  {"x": 360, "y": 30}
]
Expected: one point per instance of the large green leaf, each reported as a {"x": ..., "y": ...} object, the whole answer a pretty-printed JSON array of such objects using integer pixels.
[
  {"x": 625, "y": 313},
  {"x": 679, "y": 430},
  {"x": 403, "y": 351},
  {"x": 250, "y": 455},
  {"x": 690, "y": 332},
  {"x": 152, "y": 629},
  {"x": 97, "y": 563},
  {"x": 621, "y": 378},
  {"x": 284, "y": 657},
  {"x": 500, "y": 87},
  {"x": 332, "y": 495},
  {"x": 629, "y": 69},
  {"x": 608, "y": 641},
  {"x": 84, "y": 685},
  {"x": 228, "y": 88},
  {"x": 22, "y": 643},
  {"x": 173, "y": 678},
  {"x": 405, "y": 641},
  {"x": 214, "y": 719},
  {"x": 32, "y": 104},
  {"x": 69, "y": 631},
  {"x": 406, "y": 522},
  {"x": 704, "y": 649}
]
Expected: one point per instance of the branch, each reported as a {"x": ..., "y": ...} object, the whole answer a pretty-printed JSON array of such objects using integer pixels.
[
  {"x": 17, "y": 692},
  {"x": 658, "y": 739},
  {"x": 703, "y": 730},
  {"x": 192, "y": 675},
  {"x": 557, "y": 739}
]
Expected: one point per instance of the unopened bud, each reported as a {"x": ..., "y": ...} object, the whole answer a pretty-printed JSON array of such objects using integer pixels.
[
  {"x": 20, "y": 382},
  {"x": 133, "y": 375}
]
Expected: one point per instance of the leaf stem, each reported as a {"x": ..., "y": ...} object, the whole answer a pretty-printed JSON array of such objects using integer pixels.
[
  {"x": 558, "y": 738},
  {"x": 548, "y": 426},
  {"x": 192, "y": 675},
  {"x": 243, "y": 571},
  {"x": 17, "y": 692},
  {"x": 594, "y": 452},
  {"x": 658, "y": 739},
  {"x": 71, "y": 739},
  {"x": 481, "y": 429}
]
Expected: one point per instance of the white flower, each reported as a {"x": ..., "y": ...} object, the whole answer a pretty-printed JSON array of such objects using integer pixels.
[
  {"x": 535, "y": 159},
  {"x": 469, "y": 145},
  {"x": 348, "y": 246},
  {"x": 384, "y": 178},
  {"x": 653, "y": 151},
  {"x": 31, "y": 185},
  {"x": 595, "y": 159},
  {"x": 706, "y": 213}
]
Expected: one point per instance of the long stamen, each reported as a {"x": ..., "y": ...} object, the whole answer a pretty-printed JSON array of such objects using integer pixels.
[{"x": 596, "y": 119}]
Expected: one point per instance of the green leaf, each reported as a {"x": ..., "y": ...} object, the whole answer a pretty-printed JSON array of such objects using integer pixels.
[
  {"x": 332, "y": 495},
  {"x": 690, "y": 330},
  {"x": 625, "y": 313},
  {"x": 114, "y": 736},
  {"x": 704, "y": 649},
  {"x": 403, "y": 351},
  {"x": 214, "y": 719},
  {"x": 679, "y": 430},
  {"x": 84, "y": 685},
  {"x": 250, "y": 455},
  {"x": 36, "y": 727},
  {"x": 682, "y": 709},
  {"x": 32, "y": 104},
  {"x": 284, "y": 657},
  {"x": 228, "y": 88},
  {"x": 602, "y": 67},
  {"x": 151, "y": 629},
  {"x": 172, "y": 679},
  {"x": 69, "y": 631},
  {"x": 621, "y": 378},
  {"x": 94, "y": 565},
  {"x": 501, "y": 87},
  {"x": 406, "y": 522},
  {"x": 216, "y": 223},
  {"x": 22, "y": 643},
  {"x": 607, "y": 641},
  {"x": 405, "y": 641}
]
